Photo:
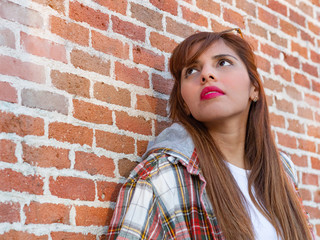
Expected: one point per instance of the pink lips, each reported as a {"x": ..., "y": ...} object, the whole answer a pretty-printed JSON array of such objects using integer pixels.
[{"x": 211, "y": 92}]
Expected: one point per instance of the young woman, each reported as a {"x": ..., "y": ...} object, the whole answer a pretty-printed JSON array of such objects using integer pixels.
[{"x": 215, "y": 173}]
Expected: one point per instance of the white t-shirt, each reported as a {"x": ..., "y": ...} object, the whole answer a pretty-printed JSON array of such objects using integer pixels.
[{"x": 263, "y": 229}]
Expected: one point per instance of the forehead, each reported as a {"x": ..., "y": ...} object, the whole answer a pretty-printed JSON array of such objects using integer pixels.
[{"x": 216, "y": 48}]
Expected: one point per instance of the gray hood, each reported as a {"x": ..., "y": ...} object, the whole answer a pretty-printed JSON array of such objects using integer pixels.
[{"x": 174, "y": 140}]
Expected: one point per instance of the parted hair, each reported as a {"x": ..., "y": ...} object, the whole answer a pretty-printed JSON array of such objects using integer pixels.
[{"x": 274, "y": 194}]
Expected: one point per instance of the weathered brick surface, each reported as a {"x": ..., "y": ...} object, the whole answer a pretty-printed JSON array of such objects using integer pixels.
[{"x": 84, "y": 86}]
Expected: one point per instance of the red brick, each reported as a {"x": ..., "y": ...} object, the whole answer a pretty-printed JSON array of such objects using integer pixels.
[
  {"x": 16, "y": 13},
  {"x": 284, "y": 105},
  {"x": 8, "y": 93},
  {"x": 110, "y": 46},
  {"x": 89, "y": 112},
  {"x": 287, "y": 141},
  {"x": 57, "y": 5},
  {"x": 247, "y": 7},
  {"x": 128, "y": 29},
  {"x": 46, "y": 156},
  {"x": 263, "y": 63},
  {"x": 268, "y": 17},
  {"x": 9, "y": 212},
  {"x": 16, "y": 235},
  {"x": 310, "y": 179},
  {"x": 118, "y": 5},
  {"x": 152, "y": 104},
  {"x": 293, "y": 93},
  {"x": 307, "y": 9},
  {"x": 314, "y": 131},
  {"x": 279, "y": 40},
  {"x": 278, "y": 7},
  {"x": 305, "y": 113},
  {"x": 288, "y": 28},
  {"x": 302, "y": 80},
  {"x": 161, "y": 125},
  {"x": 46, "y": 213},
  {"x": 315, "y": 86},
  {"x": 108, "y": 191},
  {"x": 12, "y": 180},
  {"x": 178, "y": 29},
  {"x": 209, "y": 6},
  {"x": 88, "y": 216},
  {"x": 305, "y": 194},
  {"x": 110, "y": 94},
  {"x": 283, "y": 72},
  {"x": 307, "y": 37},
  {"x": 71, "y": 83},
  {"x": 7, "y": 38},
  {"x": 66, "y": 132},
  {"x": 273, "y": 85},
  {"x": 69, "y": 31},
  {"x": 301, "y": 161},
  {"x": 295, "y": 126},
  {"x": 271, "y": 51},
  {"x": 141, "y": 147},
  {"x": 315, "y": 163},
  {"x": 303, "y": 51},
  {"x": 94, "y": 164},
  {"x": 147, "y": 16},
  {"x": 72, "y": 188},
  {"x": 306, "y": 145},
  {"x": 114, "y": 142},
  {"x": 44, "y": 100},
  {"x": 314, "y": 28},
  {"x": 312, "y": 70},
  {"x": 312, "y": 100},
  {"x": 43, "y": 47},
  {"x": 297, "y": 18},
  {"x": 148, "y": 58},
  {"x": 270, "y": 100},
  {"x": 194, "y": 17},
  {"x": 315, "y": 56},
  {"x": 81, "y": 13},
  {"x": 170, "y": 6},
  {"x": 125, "y": 167},
  {"x": 85, "y": 61},
  {"x": 257, "y": 29},
  {"x": 71, "y": 235},
  {"x": 134, "y": 124},
  {"x": 317, "y": 196},
  {"x": 217, "y": 26},
  {"x": 161, "y": 84},
  {"x": 277, "y": 120},
  {"x": 7, "y": 151},
  {"x": 24, "y": 70},
  {"x": 131, "y": 75},
  {"x": 162, "y": 42},
  {"x": 22, "y": 125},
  {"x": 292, "y": 61},
  {"x": 233, "y": 17}
]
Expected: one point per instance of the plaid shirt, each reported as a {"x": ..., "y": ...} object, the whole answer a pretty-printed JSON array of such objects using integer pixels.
[{"x": 165, "y": 198}]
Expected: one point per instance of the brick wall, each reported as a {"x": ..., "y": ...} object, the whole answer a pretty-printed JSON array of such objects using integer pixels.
[{"x": 84, "y": 86}]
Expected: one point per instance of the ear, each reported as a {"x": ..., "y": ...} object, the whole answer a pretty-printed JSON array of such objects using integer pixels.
[{"x": 254, "y": 93}]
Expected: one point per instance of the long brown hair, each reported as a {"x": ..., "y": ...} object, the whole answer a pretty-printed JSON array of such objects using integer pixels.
[{"x": 274, "y": 194}]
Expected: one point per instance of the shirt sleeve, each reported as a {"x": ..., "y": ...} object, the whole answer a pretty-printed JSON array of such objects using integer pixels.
[
  {"x": 136, "y": 215},
  {"x": 292, "y": 176}
]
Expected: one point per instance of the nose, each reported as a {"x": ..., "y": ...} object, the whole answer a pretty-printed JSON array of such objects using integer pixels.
[{"x": 207, "y": 75}]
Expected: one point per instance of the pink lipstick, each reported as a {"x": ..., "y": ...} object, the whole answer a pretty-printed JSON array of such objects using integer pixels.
[{"x": 211, "y": 92}]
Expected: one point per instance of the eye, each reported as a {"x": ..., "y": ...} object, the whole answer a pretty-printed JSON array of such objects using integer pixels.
[
  {"x": 190, "y": 71},
  {"x": 224, "y": 62}
]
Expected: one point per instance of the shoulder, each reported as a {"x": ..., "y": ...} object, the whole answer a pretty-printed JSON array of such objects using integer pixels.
[{"x": 289, "y": 167}]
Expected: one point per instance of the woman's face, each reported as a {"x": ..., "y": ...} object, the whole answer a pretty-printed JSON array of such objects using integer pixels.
[{"x": 216, "y": 87}]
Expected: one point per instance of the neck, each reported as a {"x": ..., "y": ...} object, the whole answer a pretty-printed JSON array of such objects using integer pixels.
[{"x": 230, "y": 138}]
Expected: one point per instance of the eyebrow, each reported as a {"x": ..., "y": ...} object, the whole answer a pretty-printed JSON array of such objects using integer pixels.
[{"x": 224, "y": 55}]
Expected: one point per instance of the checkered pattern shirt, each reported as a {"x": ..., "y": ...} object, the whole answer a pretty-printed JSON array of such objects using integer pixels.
[{"x": 165, "y": 198}]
